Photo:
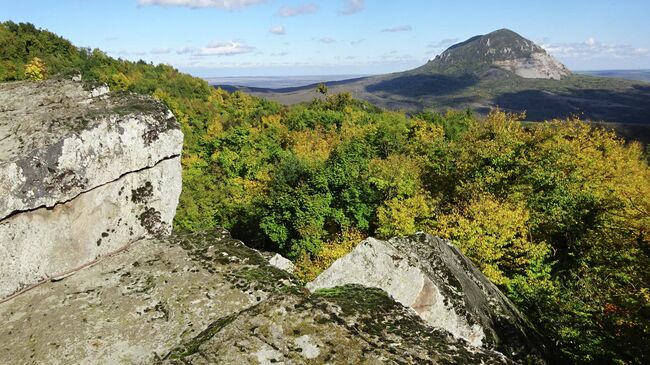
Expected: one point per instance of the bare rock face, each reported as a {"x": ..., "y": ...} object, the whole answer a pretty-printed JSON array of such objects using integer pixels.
[
  {"x": 206, "y": 298},
  {"x": 83, "y": 173},
  {"x": 540, "y": 65},
  {"x": 282, "y": 263},
  {"x": 444, "y": 288}
]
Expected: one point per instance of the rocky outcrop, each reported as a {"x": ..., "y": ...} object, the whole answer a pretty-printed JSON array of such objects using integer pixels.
[
  {"x": 83, "y": 173},
  {"x": 444, "y": 288},
  {"x": 208, "y": 299},
  {"x": 540, "y": 65}
]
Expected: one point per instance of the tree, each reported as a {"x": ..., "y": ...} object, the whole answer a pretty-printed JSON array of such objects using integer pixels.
[
  {"x": 322, "y": 88},
  {"x": 35, "y": 70}
]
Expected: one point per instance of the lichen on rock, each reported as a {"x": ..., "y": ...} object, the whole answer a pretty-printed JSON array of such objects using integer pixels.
[{"x": 83, "y": 173}]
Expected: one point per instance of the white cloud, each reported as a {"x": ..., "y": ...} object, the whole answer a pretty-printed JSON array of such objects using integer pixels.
[
  {"x": 353, "y": 6},
  {"x": 287, "y": 11},
  {"x": 186, "y": 50},
  {"x": 224, "y": 49},
  {"x": 400, "y": 28},
  {"x": 219, "y": 4},
  {"x": 592, "y": 48},
  {"x": 279, "y": 30},
  {"x": 132, "y": 53},
  {"x": 327, "y": 40},
  {"x": 444, "y": 43},
  {"x": 358, "y": 41},
  {"x": 161, "y": 51}
]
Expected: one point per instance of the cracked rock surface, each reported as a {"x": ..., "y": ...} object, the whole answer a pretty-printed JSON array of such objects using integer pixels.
[
  {"x": 206, "y": 298},
  {"x": 83, "y": 172}
]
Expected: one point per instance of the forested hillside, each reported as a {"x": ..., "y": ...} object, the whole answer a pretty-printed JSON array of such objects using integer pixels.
[{"x": 557, "y": 214}]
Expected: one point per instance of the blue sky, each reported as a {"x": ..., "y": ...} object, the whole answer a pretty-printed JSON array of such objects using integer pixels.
[{"x": 311, "y": 37}]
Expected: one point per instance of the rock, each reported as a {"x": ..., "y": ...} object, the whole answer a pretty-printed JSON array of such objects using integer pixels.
[
  {"x": 539, "y": 65},
  {"x": 208, "y": 299},
  {"x": 282, "y": 263},
  {"x": 82, "y": 173},
  {"x": 444, "y": 288}
]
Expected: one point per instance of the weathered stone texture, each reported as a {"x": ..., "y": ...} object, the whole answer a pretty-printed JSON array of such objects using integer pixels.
[
  {"x": 56, "y": 141},
  {"x": 208, "y": 299},
  {"x": 443, "y": 287},
  {"x": 48, "y": 242},
  {"x": 83, "y": 172}
]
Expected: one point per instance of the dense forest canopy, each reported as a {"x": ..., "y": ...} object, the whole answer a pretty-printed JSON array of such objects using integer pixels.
[{"x": 557, "y": 213}]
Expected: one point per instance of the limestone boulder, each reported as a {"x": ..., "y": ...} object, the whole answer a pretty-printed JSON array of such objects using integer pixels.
[
  {"x": 57, "y": 140},
  {"x": 446, "y": 290},
  {"x": 282, "y": 263},
  {"x": 83, "y": 173}
]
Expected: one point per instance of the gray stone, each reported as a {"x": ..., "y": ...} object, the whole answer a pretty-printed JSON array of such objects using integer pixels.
[
  {"x": 83, "y": 173},
  {"x": 208, "y": 299},
  {"x": 49, "y": 242},
  {"x": 539, "y": 65},
  {"x": 57, "y": 142},
  {"x": 282, "y": 263},
  {"x": 443, "y": 287}
]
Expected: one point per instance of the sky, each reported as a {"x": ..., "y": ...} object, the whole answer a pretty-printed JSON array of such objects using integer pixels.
[{"x": 217, "y": 38}]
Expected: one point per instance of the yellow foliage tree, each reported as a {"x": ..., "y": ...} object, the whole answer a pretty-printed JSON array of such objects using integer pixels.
[
  {"x": 35, "y": 70},
  {"x": 494, "y": 235},
  {"x": 404, "y": 216}
]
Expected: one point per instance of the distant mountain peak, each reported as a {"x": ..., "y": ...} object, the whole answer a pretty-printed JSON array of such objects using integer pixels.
[{"x": 502, "y": 49}]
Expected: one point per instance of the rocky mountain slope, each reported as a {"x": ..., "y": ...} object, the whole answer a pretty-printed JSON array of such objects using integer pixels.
[
  {"x": 500, "y": 69},
  {"x": 93, "y": 181},
  {"x": 500, "y": 50}
]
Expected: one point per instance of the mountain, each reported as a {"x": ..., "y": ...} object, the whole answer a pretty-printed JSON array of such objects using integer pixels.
[
  {"x": 500, "y": 69},
  {"x": 500, "y": 50}
]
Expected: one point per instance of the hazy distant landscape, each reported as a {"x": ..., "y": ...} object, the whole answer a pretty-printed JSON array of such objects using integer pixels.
[
  {"x": 280, "y": 82},
  {"x": 637, "y": 75},
  {"x": 500, "y": 69},
  {"x": 277, "y": 82}
]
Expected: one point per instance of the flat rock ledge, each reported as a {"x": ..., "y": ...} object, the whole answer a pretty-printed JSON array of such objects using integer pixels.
[
  {"x": 434, "y": 279},
  {"x": 206, "y": 298},
  {"x": 83, "y": 173}
]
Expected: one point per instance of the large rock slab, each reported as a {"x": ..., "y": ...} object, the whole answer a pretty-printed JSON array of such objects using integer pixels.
[
  {"x": 83, "y": 172},
  {"x": 49, "y": 242},
  {"x": 444, "y": 288},
  {"x": 208, "y": 299},
  {"x": 57, "y": 141}
]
